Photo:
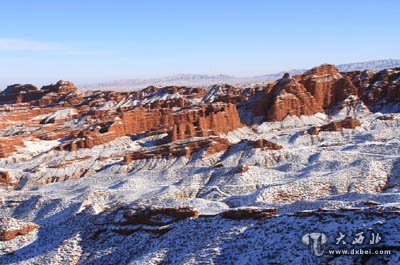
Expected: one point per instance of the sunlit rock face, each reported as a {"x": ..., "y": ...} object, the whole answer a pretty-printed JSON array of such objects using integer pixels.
[{"x": 327, "y": 85}]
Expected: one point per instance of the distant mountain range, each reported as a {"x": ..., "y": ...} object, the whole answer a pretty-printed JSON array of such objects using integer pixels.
[{"x": 206, "y": 80}]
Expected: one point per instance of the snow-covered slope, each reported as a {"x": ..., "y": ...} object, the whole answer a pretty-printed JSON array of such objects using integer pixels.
[{"x": 346, "y": 170}]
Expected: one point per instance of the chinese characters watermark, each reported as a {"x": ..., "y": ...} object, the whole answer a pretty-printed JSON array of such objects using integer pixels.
[{"x": 317, "y": 243}]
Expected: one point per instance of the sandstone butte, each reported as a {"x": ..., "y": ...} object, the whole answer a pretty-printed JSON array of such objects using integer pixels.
[
  {"x": 86, "y": 119},
  {"x": 314, "y": 91}
]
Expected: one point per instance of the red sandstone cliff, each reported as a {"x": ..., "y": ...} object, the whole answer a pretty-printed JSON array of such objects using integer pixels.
[
  {"x": 198, "y": 122},
  {"x": 323, "y": 88},
  {"x": 288, "y": 97},
  {"x": 327, "y": 85}
]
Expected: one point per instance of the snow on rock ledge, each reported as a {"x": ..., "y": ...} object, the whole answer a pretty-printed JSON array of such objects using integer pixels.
[{"x": 11, "y": 228}]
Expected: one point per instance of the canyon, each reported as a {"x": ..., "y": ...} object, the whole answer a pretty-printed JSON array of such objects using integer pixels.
[{"x": 181, "y": 174}]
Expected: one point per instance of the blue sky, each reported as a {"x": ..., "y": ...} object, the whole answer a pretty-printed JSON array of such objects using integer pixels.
[{"x": 90, "y": 41}]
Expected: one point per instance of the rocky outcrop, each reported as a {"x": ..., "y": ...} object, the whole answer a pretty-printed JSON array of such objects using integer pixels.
[
  {"x": 11, "y": 228},
  {"x": 169, "y": 97},
  {"x": 211, "y": 120},
  {"x": 55, "y": 93},
  {"x": 317, "y": 90},
  {"x": 262, "y": 143},
  {"x": 127, "y": 159},
  {"x": 348, "y": 123},
  {"x": 20, "y": 93},
  {"x": 389, "y": 117},
  {"x": 335, "y": 126},
  {"x": 61, "y": 87},
  {"x": 23, "y": 114},
  {"x": 29, "y": 93},
  {"x": 87, "y": 139},
  {"x": 5, "y": 179},
  {"x": 378, "y": 88},
  {"x": 203, "y": 121},
  {"x": 77, "y": 174},
  {"x": 154, "y": 220},
  {"x": 180, "y": 148},
  {"x": 227, "y": 94},
  {"x": 157, "y": 216},
  {"x": 249, "y": 213},
  {"x": 9, "y": 145},
  {"x": 288, "y": 97},
  {"x": 327, "y": 85}
]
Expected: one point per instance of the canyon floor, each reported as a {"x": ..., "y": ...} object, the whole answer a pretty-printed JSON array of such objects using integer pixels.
[{"x": 271, "y": 174}]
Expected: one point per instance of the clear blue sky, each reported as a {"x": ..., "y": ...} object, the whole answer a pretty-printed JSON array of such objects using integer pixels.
[{"x": 89, "y": 41}]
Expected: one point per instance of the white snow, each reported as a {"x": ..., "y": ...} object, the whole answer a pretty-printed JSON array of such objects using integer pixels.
[
  {"x": 58, "y": 115},
  {"x": 330, "y": 171}
]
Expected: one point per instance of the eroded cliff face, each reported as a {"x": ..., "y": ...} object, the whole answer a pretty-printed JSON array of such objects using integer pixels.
[
  {"x": 288, "y": 97},
  {"x": 378, "y": 88},
  {"x": 323, "y": 89},
  {"x": 201, "y": 121},
  {"x": 327, "y": 85},
  {"x": 209, "y": 146}
]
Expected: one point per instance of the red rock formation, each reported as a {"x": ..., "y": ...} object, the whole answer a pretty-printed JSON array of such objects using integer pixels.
[
  {"x": 9, "y": 145},
  {"x": 136, "y": 121},
  {"x": 11, "y": 228},
  {"x": 262, "y": 143},
  {"x": 5, "y": 179},
  {"x": 327, "y": 85},
  {"x": 227, "y": 94},
  {"x": 178, "y": 149},
  {"x": 29, "y": 93},
  {"x": 24, "y": 115},
  {"x": 210, "y": 120},
  {"x": 60, "y": 87},
  {"x": 127, "y": 159},
  {"x": 19, "y": 93},
  {"x": 378, "y": 88},
  {"x": 389, "y": 117},
  {"x": 77, "y": 174},
  {"x": 316, "y": 90},
  {"x": 158, "y": 216},
  {"x": 202, "y": 121},
  {"x": 249, "y": 213},
  {"x": 288, "y": 97},
  {"x": 91, "y": 139},
  {"x": 348, "y": 123},
  {"x": 217, "y": 145}
]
